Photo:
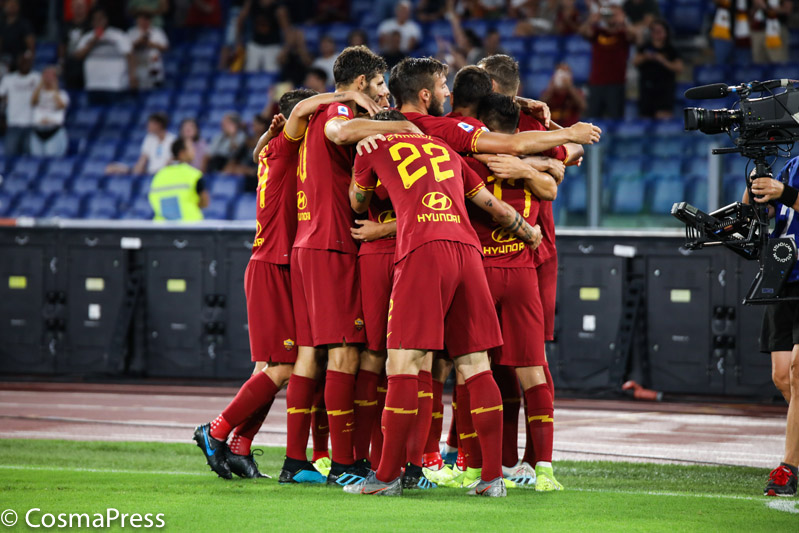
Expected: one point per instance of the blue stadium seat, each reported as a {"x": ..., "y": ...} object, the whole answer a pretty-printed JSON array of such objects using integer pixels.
[
  {"x": 505, "y": 26},
  {"x": 31, "y": 204},
  {"x": 6, "y": 203},
  {"x": 223, "y": 99},
  {"x": 227, "y": 82},
  {"x": 665, "y": 166},
  {"x": 201, "y": 66},
  {"x": 573, "y": 195},
  {"x": 190, "y": 100},
  {"x": 535, "y": 83},
  {"x": 209, "y": 130},
  {"x": 514, "y": 46},
  {"x": 542, "y": 62},
  {"x": 580, "y": 65},
  {"x": 628, "y": 196},
  {"x": 141, "y": 209},
  {"x": 88, "y": 117},
  {"x": 104, "y": 150},
  {"x": 687, "y": 19},
  {"x": 732, "y": 189},
  {"x": 696, "y": 192},
  {"x": 29, "y": 166},
  {"x": 441, "y": 29},
  {"x": 46, "y": 52},
  {"x": 121, "y": 187},
  {"x": 546, "y": 44},
  {"x": 639, "y": 128},
  {"x": 244, "y": 208},
  {"x": 339, "y": 31},
  {"x": 259, "y": 82},
  {"x": 85, "y": 184},
  {"x": 66, "y": 206},
  {"x": 634, "y": 147},
  {"x": 179, "y": 115},
  {"x": 158, "y": 101},
  {"x": 576, "y": 44},
  {"x": 624, "y": 168},
  {"x": 218, "y": 209},
  {"x": 673, "y": 127},
  {"x": 102, "y": 205},
  {"x": 64, "y": 167},
  {"x": 664, "y": 193},
  {"x": 53, "y": 184},
  {"x": 196, "y": 83},
  {"x": 746, "y": 73},
  {"x": 15, "y": 182},
  {"x": 706, "y": 74},
  {"x": 695, "y": 166},
  {"x": 216, "y": 114},
  {"x": 203, "y": 51},
  {"x": 94, "y": 167},
  {"x": 225, "y": 186},
  {"x": 479, "y": 26},
  {"x": 256, "y": 99}
]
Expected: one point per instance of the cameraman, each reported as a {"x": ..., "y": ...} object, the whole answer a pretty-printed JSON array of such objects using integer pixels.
[{"x": 780, "y": 332}]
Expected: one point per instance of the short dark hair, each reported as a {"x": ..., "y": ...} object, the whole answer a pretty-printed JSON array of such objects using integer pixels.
[
  {"x": 292, "y": 98},
  {"x": 178, "y": 145},
  {"x": 389, "y": 115},
  {"x": 355, "y": 61},
  {"x": 413, "y": 74},
  {"x": 499, "y": 113},
  {"x": 504, "y": 70},
  {"x": 319, "y": 73},
  {"x": 470, "y": 86},
  {"x": 160, "y": 117}
]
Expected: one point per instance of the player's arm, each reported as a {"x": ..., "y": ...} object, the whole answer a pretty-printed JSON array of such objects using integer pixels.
[
  {"x": 533, "y": 142},
  {"x": 360, "y": 196},
  {"x": 367, "y": 230},
  {"x": 352, "y": 131},
  {"x": 574, "y": 151},
  {"x": 297, "y": 122},
  {"x": 278, "y": 121},
  {"x": 540, "y": 182},
  {"x": 508, "y": 218}
]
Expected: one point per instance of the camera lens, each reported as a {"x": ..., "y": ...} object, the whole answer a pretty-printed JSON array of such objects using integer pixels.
[{"x": 709, "y": 121}]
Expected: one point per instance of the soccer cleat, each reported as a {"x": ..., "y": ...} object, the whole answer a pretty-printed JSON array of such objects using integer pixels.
[
  {"x": 323, "y": 465},
  {"x": 372, "y": 485},
  {"x": 414, "y": 478},
  {"x": 215, "y": 451},
  {"x": 460, "y": 462},
  {"x": 295, "y": 471},
  {"x": 348, "y": 474},
  {"x": 467, "y": 479},
  {"x": 490, "y": 489},
  {"x": 782, "y": 481},
  {"x": 545, "y": 479},
  {"x": 245, "y": 465},
  {"x": 522, "y": 474},
  {"x": 449, "y": 455},
  {"x": 442, "y": 475}
]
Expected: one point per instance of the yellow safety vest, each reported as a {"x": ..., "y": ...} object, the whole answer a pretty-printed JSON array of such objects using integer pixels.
[{"x": 173, "y": 193}]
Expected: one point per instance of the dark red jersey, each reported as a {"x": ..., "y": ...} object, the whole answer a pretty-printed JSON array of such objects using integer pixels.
[
  {"x": 428, "y": 183},
  {"x": 276, "y": 214},
  {"x": 323, "y": 179},
  {"x": 468, "y": 120},
  {"x": 459, "y": 134},
  {"x": 501, "y": 249},
  {"x": 380, "y": 210}
]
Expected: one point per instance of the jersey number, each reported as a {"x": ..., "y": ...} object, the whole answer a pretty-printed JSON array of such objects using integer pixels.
[{"x": 409, "y": 179}]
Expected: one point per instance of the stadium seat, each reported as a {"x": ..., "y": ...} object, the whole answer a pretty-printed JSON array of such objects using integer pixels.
[
  {"x": 227, "y": 82},
  {"x": 695, "y": 166},
  {"x": 535, "y": 83},
  {"x": 628, "y": 197},
  {"x": 664, "y": 193},
  {"x": 580, "y": 65},
  {"x": 575, "y": 44},
  {"x": 31, "y": 204},
  {"x": 65, "y": 206},
  {"x": 203, "y": 51},
  {"x": 687, "y": 19},
  {"x": 244, "y": 208},
  {"x": 141, "y": 209},
  {"x": 121, "y": 187},
  {"x": 218, "y": 209},
  {"x": 338, "y": 31},
  {"x": 216, "y": 114},
  {"x": 622, "y": 148},
  {"x": 574, "y": 194},
  {"x": 86, "y": 184},
  {"x": 666, "y": 166},
  {"x": 514, "y": 46},
  {"x": 542, "y": 62},
  {"x": 706, "y": 74},
  {"x": 259, "y": 82},
  {"x": 87, "y": 117},
  {"x": 102, "y": 205},
  {"x": 46, "y": 53},
  {"x": 223, "y": 99},
  {"x": 105, "y": 150},
  {"x": 479, "y": 26},
  {"x": 696, "y": 192},
  {"x": 196, "y": 83},
  {"x": 158, "y": 101},
  {"x": 226, "y": 186},
  {"x": 190, "y": 99},
  {"x": 15, "y": 183},
  {"x": 201, "y": 66},
  {"x": 29, "y": 166},
  {"x": 51, "y": 184},
  {"x": 673, "y": 127},
  {"x": 6, "y": 203},
  {"x": 624, "y": 168},
  {"x": 94, "y": 167},
  {"x": 747, "y": 73},
  {"x": 119, "y": 117},
  {"x": 546, "y": 44}
]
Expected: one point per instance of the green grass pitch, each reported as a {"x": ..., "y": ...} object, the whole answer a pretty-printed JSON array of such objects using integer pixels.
[{"x": 89, "y": 477}]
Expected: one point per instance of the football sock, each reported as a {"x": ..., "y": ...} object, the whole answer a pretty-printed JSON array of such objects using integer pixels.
[
  {"x": 320, "y": 429},
  {"x": 256, "y": 392},
  {"x": 377, "y": 430},
  {"x": 540, "y": 421},
  {"x": 299, "y": 401},
  {"x": 399, "y": 415},
  {"x": 366, "y": 409},
  {"x": 467, "y": 435},
  {"x": 245, "y": 432},
  {"x": 339, "y": 393},
  {"x": 421, "y": 429},
  {"x": 437, "y": 421},
  {"x": 508, "y": 384},
  {"x": 486, "y": 414}
]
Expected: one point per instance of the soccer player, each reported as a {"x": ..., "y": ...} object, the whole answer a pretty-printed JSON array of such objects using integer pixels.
[
  {"x": 504, "y": 72},
  {"x": 268, "y": 289},
  {"x": 439, "y": 293},
  {"x": 324, "y": 274}
]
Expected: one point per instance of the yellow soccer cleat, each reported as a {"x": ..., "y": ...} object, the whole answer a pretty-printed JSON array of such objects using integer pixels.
[
  {"x": 545, "y": 479},
  {"x": 323, "y": 465}
]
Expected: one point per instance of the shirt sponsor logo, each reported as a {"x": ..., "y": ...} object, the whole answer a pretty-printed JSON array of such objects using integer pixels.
[
  {"x": 387, "y": 216},
  {"x": 438, "y": 217},
  {"x": 504, "y": 249},
  {"x": 259, "y": 241},
  {"x": 468, "y": 128},
  {"x": 302, "y": 203},
  {"x": 343, "y": 110},
  {"x": 437, "y": 201},
  {"x": 501, "y": 235}
]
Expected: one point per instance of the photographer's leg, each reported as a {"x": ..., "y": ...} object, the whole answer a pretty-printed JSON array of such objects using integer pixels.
[
  {"x": 792, "y": 427},
  {"x": 781, "y": 373}
]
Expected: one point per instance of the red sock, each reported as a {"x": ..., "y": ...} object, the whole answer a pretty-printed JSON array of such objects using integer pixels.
[
  {"x": 377, "y": 431},
  {"x": 508, "y": 384},
  {"x": 256, "y": 392},
  {"x": 467, "y": 435},
  {"x": 320, "y": 429},
  {"x": 418, "y": 437},
  {"x": 453, "y": 441},
  {"x": 245, "y": 432},
  {"x": 299, "y": 400},
  {"x": 550, "y": 382},
  {"x": 339, "y": 392},
  {"x": 398, "y": 418},
  {"x": 540, "y": 421},
  {"x": 365, "y": 412},
  {"x": 486, "y": 411},
  {"x": 529, "y": 451},
  {"x": 437, "y": 422}
]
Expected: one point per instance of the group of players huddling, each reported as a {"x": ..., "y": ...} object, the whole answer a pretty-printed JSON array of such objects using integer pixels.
[{"x": 389, "y": 302}]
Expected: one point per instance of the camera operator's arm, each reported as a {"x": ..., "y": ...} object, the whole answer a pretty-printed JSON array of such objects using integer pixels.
[{"x": 768, "y": 189}]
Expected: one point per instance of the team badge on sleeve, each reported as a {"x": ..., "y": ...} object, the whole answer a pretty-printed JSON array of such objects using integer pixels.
[
  {"x": 343, "y": 110},
  {"x": 466, "y": 127}
]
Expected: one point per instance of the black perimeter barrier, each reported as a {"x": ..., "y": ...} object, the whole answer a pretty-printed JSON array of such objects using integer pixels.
[{"x": 134, "y": 299}]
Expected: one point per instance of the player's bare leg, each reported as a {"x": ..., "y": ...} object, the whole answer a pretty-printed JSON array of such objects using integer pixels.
[
  {"x": 366, "y": 400},
  {"x": 783, "y": 479},
  {"x": 781, "y": 373}
]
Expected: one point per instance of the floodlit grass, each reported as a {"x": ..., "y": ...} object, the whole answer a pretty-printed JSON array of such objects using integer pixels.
[{"x": 89, "y": 477}]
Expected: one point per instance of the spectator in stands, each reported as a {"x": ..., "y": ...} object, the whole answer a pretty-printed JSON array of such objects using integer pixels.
[
  {"x": 108, "y": 66},
  {"x": 485, "y": 9},
  {"x": 226, "y": 143},
  {"x": 658, "y": 64},
  {"x": 270, "y": 23},
  {"x": 535, "y": 16},
  {"x": 610, "y": 35},
  {"x": 16, "y": 90},
  {"x": 204, "y": 14},
  {"x": 769, "y": 24},
  {"x": 155, "y": 148},
  {"x": 410, "y": 31},
  {"x": 391, "y": 48},
  {"x": 468, "y": 44},
  {"x": 154, "y": 9},
  {"x": 115, "y": 11},
  {"x": 149, "y": 43},
  {"x": 16, "y": 36},
  {"x": 328, "y": 11},
  {"x": 233, "y": 48},
  {"x": 430, "y": 10},
  {"x": 357, "y": 37},
  {"x": 294, "y": 58},
  {"x": 641, "y": 14},
  {"x": 241, "y": 164},
  {"x": 730, "y": 32},
  {"x": 71, "y": 32},
  {"x": 383, "y": 9},
  {"x": 568, "y": 19},
  {"x": 327, "y": 56},
  {"x": 490, "y": 46},
  {"x": 178, "y": 190},
  {"x": 566, "y": 101},
  {"x": 190, "y": 133},
  {"x": 50, "y": 102},
  {"x": 316, "y": 79}
]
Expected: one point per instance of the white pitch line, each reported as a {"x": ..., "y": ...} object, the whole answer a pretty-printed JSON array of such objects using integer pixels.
[{"x": 97, "y": 470}]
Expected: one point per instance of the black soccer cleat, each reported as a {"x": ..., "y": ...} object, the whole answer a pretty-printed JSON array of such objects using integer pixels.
[
  {"x": 215, "y": 451},
  {"x": 344, "y": 475},
  {"x": 782, "y": 481},
  {"x": 414, "y": 478},
  {"x": 245, "y": 465},
  {"x": 295, "y": 471}
]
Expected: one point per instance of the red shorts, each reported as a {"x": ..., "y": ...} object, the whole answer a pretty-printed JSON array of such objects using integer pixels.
[
  {"x": 521, "y": 317},
  {"x": 269, "y": 312},
  {"x": 327, "y": 298},
  {"x": 441, "y": 298},
  {"x": 377, "y": 277},
  {"x": 548, "y": 287}
]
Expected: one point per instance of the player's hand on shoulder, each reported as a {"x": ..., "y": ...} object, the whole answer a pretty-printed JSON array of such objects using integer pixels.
[
  {"x": 410, "y": 127},
  {"x": 366, "y": 102},
  {"x": 369, "y": 144},
  {"x": 535, "y": 108},
  {"x": 506, "y": 166},
  {"x": 584, "y": 133}
]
